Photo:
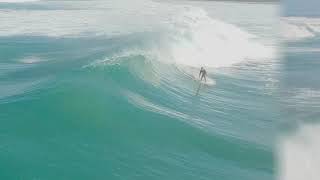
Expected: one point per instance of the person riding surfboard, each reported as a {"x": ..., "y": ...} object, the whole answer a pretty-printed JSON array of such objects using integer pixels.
[{"x": 203, "y": 74}]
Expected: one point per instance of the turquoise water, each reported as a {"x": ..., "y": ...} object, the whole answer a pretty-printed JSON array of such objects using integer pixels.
[{"x": 93, "y": 91}]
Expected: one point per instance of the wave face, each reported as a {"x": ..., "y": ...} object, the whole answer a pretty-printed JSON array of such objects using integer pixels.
[{"x": 98, "y": 90}]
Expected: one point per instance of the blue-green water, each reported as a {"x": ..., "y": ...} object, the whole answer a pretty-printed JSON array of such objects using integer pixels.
[{"x": 90, "y": 90}]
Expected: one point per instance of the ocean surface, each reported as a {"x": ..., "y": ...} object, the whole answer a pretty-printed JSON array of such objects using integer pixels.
[
  {"x": 108, "y": 90},
  {"x": 298, "y": 145}
]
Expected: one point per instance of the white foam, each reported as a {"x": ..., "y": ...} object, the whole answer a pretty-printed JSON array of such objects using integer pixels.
[
  {"x": 299, "y": 156},
  {"x": 203, "y": 41}
]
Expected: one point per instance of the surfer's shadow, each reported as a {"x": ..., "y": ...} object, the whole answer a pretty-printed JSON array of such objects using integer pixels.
[{"x": 201, "y": 88}]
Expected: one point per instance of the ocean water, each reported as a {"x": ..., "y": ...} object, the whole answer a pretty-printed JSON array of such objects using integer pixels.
[
  {"x": 107, "y": 90},
  {"x": 298, "y": 145}
]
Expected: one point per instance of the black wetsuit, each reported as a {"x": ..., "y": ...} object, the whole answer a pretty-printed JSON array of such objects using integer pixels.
[{"x": 203, "y": 74}]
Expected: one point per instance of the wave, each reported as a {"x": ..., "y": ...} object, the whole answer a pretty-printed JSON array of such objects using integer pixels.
[
  {"x": 194, "y": 39},
  {"x": 299, "y": 28},
  {"x": 181, "y": 35},
  {"x": 117, "y": 83}
]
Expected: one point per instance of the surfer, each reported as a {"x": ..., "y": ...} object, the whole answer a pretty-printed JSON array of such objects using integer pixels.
[{"x": 203, "y": 74}]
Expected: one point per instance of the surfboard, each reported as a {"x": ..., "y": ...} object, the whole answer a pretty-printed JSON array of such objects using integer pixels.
[{"x": 209, "y": 82}]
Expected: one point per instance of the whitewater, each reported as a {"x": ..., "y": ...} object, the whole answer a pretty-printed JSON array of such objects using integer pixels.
[{"x": 107, "y": 90}]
